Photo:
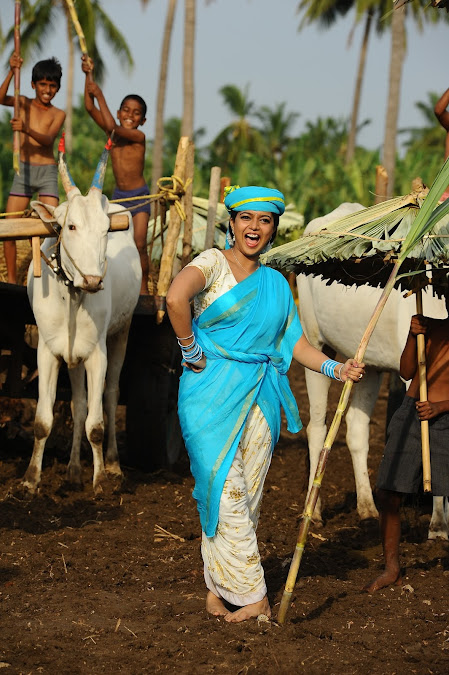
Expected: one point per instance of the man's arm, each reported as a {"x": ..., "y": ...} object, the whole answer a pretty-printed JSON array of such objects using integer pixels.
[
  {"x": 47, "y": 139},
  {"x": 87, "y": 66},
  {"x": 14, "y": 62},
  {"x": 440, "y": 110},
  {"x": 409, "y": 356}
]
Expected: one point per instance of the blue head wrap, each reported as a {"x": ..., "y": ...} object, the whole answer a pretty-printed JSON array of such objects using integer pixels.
[{"x": 254, "y": 198}]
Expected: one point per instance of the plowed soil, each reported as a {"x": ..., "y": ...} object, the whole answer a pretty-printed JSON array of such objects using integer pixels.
[{"x": 114, "y": 585}]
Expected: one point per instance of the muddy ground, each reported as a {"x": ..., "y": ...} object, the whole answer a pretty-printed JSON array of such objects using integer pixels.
[{"x": 115, "y": 585}]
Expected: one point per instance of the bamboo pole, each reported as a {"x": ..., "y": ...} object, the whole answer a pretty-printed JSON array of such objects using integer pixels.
[
  {"x": 188, "y": 206},
  {"x": 16, "y": 134},
  {"x": 425, "y": 445},
  {"x": 312, "y": 497},
  {"x": 174, "y": 227},
  {"x": 214, "y": 195},
  {"x": 77, "y": 26},
  {"x": 24, "y": 228}
]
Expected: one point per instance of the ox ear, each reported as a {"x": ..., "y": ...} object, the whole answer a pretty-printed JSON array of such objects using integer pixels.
[{"x": 44, "y": 211}]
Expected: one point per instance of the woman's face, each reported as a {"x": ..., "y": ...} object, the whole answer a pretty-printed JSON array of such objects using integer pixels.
[{"x": 253, "y": 230}]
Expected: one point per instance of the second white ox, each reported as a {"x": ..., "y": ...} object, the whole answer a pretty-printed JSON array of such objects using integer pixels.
[
  {"x": 83, "y": 313},
  {"x": 337, "y": 315}
]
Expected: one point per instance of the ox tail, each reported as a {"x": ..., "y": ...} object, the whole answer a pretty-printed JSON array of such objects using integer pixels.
[
  {"x": 67, "y": 181},
  {"x": 98, "y": 179}
]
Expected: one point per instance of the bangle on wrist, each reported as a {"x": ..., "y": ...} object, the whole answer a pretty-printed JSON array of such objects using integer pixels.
[{"x": 328, "y": 368}]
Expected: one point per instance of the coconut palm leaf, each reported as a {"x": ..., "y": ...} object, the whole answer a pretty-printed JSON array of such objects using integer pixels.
[{"x": 361, "y": 247}]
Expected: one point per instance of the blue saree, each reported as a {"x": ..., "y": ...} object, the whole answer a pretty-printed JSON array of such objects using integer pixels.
[{"x": 248, "y": 335}]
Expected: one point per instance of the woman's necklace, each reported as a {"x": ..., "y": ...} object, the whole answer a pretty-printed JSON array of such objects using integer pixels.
[{"x": 240, "y": 265}]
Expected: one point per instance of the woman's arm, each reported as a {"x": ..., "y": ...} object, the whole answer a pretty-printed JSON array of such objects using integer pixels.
[
  {"x": 313, "y": 359},
  {"x": 188, "y": 283}
]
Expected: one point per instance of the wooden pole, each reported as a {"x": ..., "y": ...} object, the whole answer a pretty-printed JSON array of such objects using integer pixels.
[
  {"x": 214, "y": 195},
  {"x": 224, "y": 182},
  {"x": 16, "y": 135},
  {"x": 188, "y": 206},
  {"x": 313, "y": 495},
  {"x": 174, "y": 227},
  {"x": 381, "y": 184},
  {"x": 425, "y": 445},
  {"x": 24, "y": 228}
]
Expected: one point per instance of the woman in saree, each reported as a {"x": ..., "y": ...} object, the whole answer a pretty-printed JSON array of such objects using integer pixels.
[{"x": 236, "y": 354}]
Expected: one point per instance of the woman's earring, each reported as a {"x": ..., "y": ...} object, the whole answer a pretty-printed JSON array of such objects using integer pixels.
[{"x": 230, "y": 237}]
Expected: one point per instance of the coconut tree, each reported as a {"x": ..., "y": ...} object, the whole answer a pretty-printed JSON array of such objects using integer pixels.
[
  {"x": 325, "y": 13},
  {"x": 160, "y": 99},
  {"x": 239, "y": 136},
  {"x": 188, "y": 63},
  {"x": 421, "y": 13},
  {"x": 276, "y": 128},
  {"x": 40, "y": 19}
]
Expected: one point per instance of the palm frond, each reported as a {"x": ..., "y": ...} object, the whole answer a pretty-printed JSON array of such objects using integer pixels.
[{"x": 360, "y": 248}]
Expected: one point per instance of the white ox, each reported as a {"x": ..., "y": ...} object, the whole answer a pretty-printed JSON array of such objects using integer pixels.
[
  {"x": 83, "y": 314},
  {"x": 337, "y": 315}
]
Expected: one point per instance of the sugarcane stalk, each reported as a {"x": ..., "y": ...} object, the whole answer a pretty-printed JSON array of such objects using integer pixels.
[
  {"x": 16, "y": 135},
  {"x": 77, "y": 26},
  {"x": 425, "y": 445},
  {"x": 313, "y": 495}
]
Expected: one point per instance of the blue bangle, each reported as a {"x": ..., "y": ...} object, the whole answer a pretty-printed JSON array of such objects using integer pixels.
[
  {"x": 328, "y": 368},
  {"x": 191, "y": 352}
]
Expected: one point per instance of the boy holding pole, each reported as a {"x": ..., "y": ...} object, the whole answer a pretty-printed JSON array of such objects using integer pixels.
[
  {"x": 39, "y": 124},
  {"x": 401, "y": 466},
  {"x": 127, "y": 156}
]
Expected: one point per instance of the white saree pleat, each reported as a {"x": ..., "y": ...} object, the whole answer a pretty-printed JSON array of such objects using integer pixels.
[{"x": 232, "y": 567}]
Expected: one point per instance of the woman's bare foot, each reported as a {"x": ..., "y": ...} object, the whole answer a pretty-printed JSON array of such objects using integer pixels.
[
  {"x": 387, "y": 578},
  {"x": 250, "y": 611},
  {"x": 215, "y": 606}
]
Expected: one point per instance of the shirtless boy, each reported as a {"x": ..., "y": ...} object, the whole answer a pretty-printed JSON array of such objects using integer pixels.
[
  {"x": 39, "y": 123},
  {"x": 127, "y": 155},
  {"x": 401, "y": 466}
]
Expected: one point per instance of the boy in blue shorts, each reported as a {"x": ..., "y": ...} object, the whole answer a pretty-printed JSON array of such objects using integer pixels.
[
  {"x": 39, "y": 123},
  {"x": 127, "y": 156}
]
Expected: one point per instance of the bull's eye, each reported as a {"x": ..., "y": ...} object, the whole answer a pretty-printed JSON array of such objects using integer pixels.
[{"x": 72, "y": 227}]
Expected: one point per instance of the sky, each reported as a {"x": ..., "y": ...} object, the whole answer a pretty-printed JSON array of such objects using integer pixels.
[{"x": 257, "y": 43}]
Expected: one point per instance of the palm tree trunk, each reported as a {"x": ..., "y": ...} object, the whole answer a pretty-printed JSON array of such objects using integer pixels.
[
  {"x": 160, "y": 105},
  {"x": 391, "y": 122},
  {"x": 70, "y": 72},
  {"x": 350, "y": 150},
  {"x": 189, "y": 47}
]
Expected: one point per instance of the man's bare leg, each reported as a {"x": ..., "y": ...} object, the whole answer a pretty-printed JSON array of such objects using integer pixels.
[
  {"x": 214, "y": 605},
  {"x": 250, "y": 611},
  {"x": 140, "y": 223},
  {"x": 390, "y": 529},
  {"x": 14, "y": 204}
]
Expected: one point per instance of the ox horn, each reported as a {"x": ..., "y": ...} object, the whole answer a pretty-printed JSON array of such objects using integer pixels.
[
  {"x": 98, "y": 178},
  {"x": 67, "y": 181}
]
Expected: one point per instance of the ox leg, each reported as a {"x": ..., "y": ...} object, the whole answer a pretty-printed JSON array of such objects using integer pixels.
[
  {"x": 79, "y": 413},
  {"x": 96, "y": 372},
  {"x": 48, "y": 366},
  {"x": 438, "y": 528},
  {"x": 116, "y": 355},
  {"x": 357, "y": 438},
  {"x": 317, "y": 390}
]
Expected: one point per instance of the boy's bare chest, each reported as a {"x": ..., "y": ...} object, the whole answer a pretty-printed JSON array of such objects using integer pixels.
[{"x": 41, "y": 118}]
